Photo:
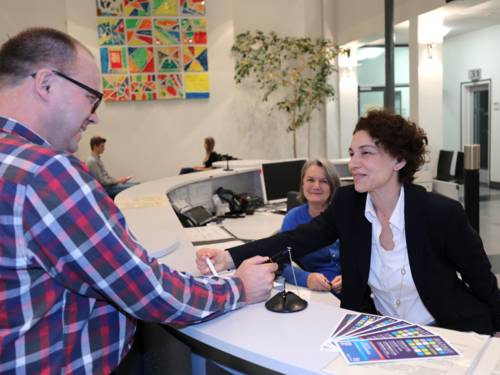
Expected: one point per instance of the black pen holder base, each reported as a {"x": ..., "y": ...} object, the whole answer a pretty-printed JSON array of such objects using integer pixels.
[{"x": 286, "y": 302}]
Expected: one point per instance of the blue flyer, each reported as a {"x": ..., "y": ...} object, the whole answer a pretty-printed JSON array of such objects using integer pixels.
[{"x": 383, "y": 350}]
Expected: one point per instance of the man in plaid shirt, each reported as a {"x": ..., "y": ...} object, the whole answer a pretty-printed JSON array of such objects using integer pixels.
[{"x": 73, "y": 281}]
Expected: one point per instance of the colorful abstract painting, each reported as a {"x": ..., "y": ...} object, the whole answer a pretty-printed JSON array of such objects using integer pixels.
[
  {"x": 111, "y": 31},
  {"x": 168, "y": 59},
  {"x": 194, "y": 30},
  {"x": 136, "y": 8},
  {"x": 143, "y": 87},
  {"x": 141, "y": 60},
  {"x": 114, "y": 60},
  {"x": 109, "y": 8},
  {"x": 195, "y": 59},
  {"x": 170, "y": 86},
  {"x": 153, "y": 49},
  {"x": 196, "y": 85},
  {"x": 166, "y": 31},
  {"x": 115, "y": 87},
  {"x": 165, "y": 8},
  {"x": 139, "y": 31},
  {"x": 193, "y": 7}
]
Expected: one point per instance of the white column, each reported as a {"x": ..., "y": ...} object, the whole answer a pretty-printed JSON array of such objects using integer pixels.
[
  {"x": 332, "y": 125},
  {"x": 348, "y": 105},
  {"x": 426, "y": 80},
  {"x": 342, "y": 114}
]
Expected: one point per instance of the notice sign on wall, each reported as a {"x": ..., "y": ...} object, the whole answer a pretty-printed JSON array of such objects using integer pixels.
[{"x": 153, "y": 49}]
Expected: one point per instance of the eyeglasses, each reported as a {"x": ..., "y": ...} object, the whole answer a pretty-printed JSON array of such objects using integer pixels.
[{"x": 98, "y": 95}]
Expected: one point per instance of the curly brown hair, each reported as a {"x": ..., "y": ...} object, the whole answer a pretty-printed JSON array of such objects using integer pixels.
[{"x": 401, "y": 138}]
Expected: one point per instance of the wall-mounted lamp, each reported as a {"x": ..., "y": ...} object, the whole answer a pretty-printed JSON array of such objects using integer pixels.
[
  {"x": 345, "y": 58},
  {"x": 430, "y": 50},
  {"x": 346, "y": 52}
]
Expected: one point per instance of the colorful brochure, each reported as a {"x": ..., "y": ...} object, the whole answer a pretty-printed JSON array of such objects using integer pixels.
[
  {"x": 328, "y": 345},
  {"x": 380, "y": 324},
  {"x": 397, "y": 324},
  {"x": 358, "y": 322},
  {"x": 404, "y": 332},
  {"x": 365, "y": 338},
  {"x": 383, "y": 350}
]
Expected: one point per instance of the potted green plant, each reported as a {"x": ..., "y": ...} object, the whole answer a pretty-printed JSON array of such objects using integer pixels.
[{"x": 295, "y": 70}]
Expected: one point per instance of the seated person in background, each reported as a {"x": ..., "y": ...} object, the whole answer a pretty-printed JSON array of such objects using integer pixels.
[
  {"x": 111, "y": 184},
  {"x": 210, "y": 157},
  {"x": 210, "y": 154},
  {"x": 319, "y": 270}
]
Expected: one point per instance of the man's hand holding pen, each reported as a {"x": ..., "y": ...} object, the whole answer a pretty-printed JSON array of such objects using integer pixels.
[{"x": 256, "y": 273}]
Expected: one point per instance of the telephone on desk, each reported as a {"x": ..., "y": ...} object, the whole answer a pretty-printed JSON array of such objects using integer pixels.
[
  {"x": 239, "y": 204},
  {"x": 195, "y": 217},
  {"x": 253, "y": 200}
]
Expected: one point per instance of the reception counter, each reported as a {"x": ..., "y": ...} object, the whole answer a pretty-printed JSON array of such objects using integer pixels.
[{"x": 253, "y": 339}]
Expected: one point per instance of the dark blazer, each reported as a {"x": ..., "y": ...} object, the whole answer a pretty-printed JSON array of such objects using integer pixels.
[{"x": 449, "y": 266}]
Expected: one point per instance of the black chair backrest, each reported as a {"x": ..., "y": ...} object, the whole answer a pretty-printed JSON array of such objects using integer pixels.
[
  {"x": 291, "y": 200},
  {"x": 444, "y": 165},
  {"x": 459, "y": 167}
]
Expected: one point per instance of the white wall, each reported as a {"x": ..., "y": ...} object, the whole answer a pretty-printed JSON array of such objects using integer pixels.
[
  {"x": 332, "y": 109},
  {"x": 261, "y": 132},
  {"x": 16, "y": 15},
  {"x": 475, "y": 50},
  {"x": 155, "y": 139}
]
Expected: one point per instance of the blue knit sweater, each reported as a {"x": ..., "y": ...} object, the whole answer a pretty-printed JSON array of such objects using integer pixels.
[{"x": 325, "y": 260}]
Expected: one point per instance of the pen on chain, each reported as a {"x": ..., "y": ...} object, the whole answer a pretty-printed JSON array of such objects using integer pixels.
[{"x": 211, "y": 267}]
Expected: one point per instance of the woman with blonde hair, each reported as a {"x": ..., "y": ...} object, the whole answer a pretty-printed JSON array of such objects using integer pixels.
[
  {"x": 319, "y": 270},
  {"x": 210, "y": 154},
  {"x": 210, "y": 157}
]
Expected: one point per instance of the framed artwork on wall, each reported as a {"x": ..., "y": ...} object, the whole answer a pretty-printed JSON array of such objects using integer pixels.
[{"x": 153, "y": 49}]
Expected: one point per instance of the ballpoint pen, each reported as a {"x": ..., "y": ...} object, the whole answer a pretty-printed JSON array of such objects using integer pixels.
[{"x": 211, "y": 267}]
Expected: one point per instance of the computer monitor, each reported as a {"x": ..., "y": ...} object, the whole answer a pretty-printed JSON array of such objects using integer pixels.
[
  {"x": 343, "y": 170},
  {"x": 280, "y": 177}
]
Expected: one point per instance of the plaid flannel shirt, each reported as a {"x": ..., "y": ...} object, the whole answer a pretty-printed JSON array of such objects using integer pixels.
[{"x": 73, "y": 280}]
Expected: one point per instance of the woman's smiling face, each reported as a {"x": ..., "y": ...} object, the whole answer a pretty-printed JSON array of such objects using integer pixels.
[{"x": 372, "y": 168}]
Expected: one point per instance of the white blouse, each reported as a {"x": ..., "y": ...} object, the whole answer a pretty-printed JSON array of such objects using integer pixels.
[{"x": 390, "y": 277}]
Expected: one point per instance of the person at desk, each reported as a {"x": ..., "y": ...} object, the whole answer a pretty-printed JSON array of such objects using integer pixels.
[
  {"x": 405, "y": 252},
  {"x": 319, "y": 270},
  {"x": 74, "y": 282},
  {"x": 210, "y": 157},
  {"x": 210, "y": 154},
  {"x": 113, "y": 185}
]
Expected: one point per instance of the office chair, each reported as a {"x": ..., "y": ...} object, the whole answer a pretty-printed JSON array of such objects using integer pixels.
[
  {"x": 291, "y": 200},
  {"x": 444, "y": 165}
]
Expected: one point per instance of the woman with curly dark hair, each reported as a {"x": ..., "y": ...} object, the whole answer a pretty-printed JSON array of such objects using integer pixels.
[{"x": 405, "y": 252}]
